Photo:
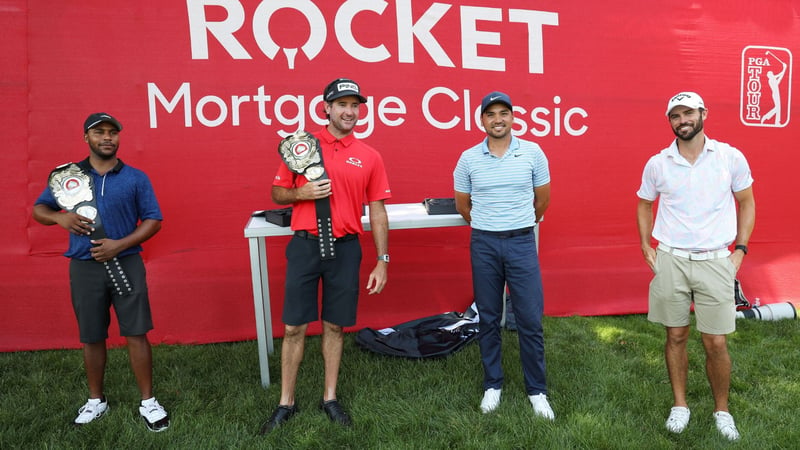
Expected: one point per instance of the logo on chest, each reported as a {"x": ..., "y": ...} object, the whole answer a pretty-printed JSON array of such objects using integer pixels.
[{"x": 354, "y": 161}]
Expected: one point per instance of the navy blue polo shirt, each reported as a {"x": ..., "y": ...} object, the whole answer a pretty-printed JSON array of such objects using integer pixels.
[{"x": 124, "y": 197}]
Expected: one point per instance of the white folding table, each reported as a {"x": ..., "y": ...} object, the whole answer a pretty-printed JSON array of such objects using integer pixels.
[{"x": 401, "y": 216}]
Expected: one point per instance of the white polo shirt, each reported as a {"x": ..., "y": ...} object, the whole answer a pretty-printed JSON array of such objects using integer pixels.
[{"x": 696, "y": 207}]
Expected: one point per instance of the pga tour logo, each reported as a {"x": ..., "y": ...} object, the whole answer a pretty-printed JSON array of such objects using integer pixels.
[{"x": 766, "y": 86}]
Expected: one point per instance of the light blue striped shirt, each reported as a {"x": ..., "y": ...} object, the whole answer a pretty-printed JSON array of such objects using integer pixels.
[{"x": 501, "y": 189}]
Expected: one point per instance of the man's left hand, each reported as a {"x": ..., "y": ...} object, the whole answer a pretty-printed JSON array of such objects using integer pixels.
[
  {"x": 377, "y": 278},
  {"x": 104, "y": 249}
]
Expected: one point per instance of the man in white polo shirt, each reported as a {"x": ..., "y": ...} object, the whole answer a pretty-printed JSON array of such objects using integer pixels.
[
  {"x": 699, "y": 182},
  {"x": 502, "y": 189}
]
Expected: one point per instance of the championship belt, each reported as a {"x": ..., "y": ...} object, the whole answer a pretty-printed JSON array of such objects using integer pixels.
[
  {"x": 73, "y": 190},
  {"x": 302, "y": 154}
]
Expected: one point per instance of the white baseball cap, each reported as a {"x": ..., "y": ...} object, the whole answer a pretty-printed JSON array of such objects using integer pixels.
[{"x": 688, "y": 99}]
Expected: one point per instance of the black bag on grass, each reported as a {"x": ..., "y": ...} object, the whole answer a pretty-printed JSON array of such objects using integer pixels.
[
  {"x": 428, "y": 337},
  {"x": 738, "y": 296}
]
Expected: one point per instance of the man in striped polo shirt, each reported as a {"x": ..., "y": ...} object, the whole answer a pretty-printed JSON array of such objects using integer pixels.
[
  {"x": 502, "y": 189},
  {"x": 699, "y": 181}
]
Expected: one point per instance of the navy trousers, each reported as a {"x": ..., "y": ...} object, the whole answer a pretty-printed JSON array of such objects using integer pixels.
[{"x": 498, "y": 260}]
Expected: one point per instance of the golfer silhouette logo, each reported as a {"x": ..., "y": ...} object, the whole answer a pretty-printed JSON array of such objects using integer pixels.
[
  {"x": 766, "y": 86},
  {"x": 774, "y": 82}
]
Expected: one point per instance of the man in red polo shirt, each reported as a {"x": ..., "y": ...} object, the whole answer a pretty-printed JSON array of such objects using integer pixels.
[{"x": 355, "y": 174}]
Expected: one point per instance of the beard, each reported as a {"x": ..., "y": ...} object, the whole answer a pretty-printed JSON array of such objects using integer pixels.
[
  {"x": 689, "y": 135},
  {"x": 100, "y": 153},
  {"x": 344, "y": 127}
]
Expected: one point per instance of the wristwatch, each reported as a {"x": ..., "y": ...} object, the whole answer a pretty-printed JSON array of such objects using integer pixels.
[
  {"x": 384, "y": 258},
  {"x": 743, "y": 248}
]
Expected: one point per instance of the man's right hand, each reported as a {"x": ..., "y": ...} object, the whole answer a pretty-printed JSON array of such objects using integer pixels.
[
  {"x": 649, "y": 254},
  {"x": 75, "y": 223},
  {"x": 314, "y": 190}
]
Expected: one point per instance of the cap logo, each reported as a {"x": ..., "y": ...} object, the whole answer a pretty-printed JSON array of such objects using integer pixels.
[
  {"x": 491, "y": 99},
  {"x": 347, "y": 87},
  {"x": 680, "y": 97}
]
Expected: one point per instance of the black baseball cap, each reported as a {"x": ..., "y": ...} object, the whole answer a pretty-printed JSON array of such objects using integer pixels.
[
  {"x": 342, "y": 87},
  {"x": 97, "y": 118}
]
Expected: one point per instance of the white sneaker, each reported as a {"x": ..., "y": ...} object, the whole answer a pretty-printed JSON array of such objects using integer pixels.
[
  {"x": 678, "y": 419},
  {"x": 154, "y": 415},
  {"x": 726, "y": 426},
  {"x": 541, "y": 407},
  {"x": 93, "y": 409},
  {"x": 491, "y": 398}
]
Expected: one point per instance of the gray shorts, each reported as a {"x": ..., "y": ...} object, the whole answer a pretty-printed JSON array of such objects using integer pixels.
[
  {"x": 93, "y": 294},
  {"x": 679, "y": 282}
]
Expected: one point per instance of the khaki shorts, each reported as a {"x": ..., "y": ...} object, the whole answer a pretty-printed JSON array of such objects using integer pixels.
[{"x": 679, "y": 282}]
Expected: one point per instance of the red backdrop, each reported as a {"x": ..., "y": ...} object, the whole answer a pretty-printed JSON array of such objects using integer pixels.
[{"x": 206, "y": 89}]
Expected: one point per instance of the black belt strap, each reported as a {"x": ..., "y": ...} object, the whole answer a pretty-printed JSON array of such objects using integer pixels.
[
  {"x": 302, "y": 154},
  {"x": 113, "y": 267},
  {"x": 65, "y": 183},
  {"x": 303, "y": 234},
  {"x": 325, "y": 228},
  {"x": 506, "y": 234}
]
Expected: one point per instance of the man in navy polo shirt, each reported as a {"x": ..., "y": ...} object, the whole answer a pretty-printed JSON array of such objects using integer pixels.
[
  {"x": 109, "y": 271},
  {"x": 502, "y": 189}
]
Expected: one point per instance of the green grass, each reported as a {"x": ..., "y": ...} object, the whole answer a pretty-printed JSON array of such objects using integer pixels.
[{"x": 607, "y": 381}]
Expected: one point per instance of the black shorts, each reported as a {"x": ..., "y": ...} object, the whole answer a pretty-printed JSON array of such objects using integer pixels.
[
  {"x": 93, "y": 294},
  {"x": 340, "y": 285}
]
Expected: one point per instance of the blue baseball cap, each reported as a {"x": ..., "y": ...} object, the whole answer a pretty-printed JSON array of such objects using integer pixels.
[{"x": 495, "y": 97}]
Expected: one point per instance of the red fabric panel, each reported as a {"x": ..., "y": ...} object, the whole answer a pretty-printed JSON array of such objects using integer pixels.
[{"x": 595, "y": 104}]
